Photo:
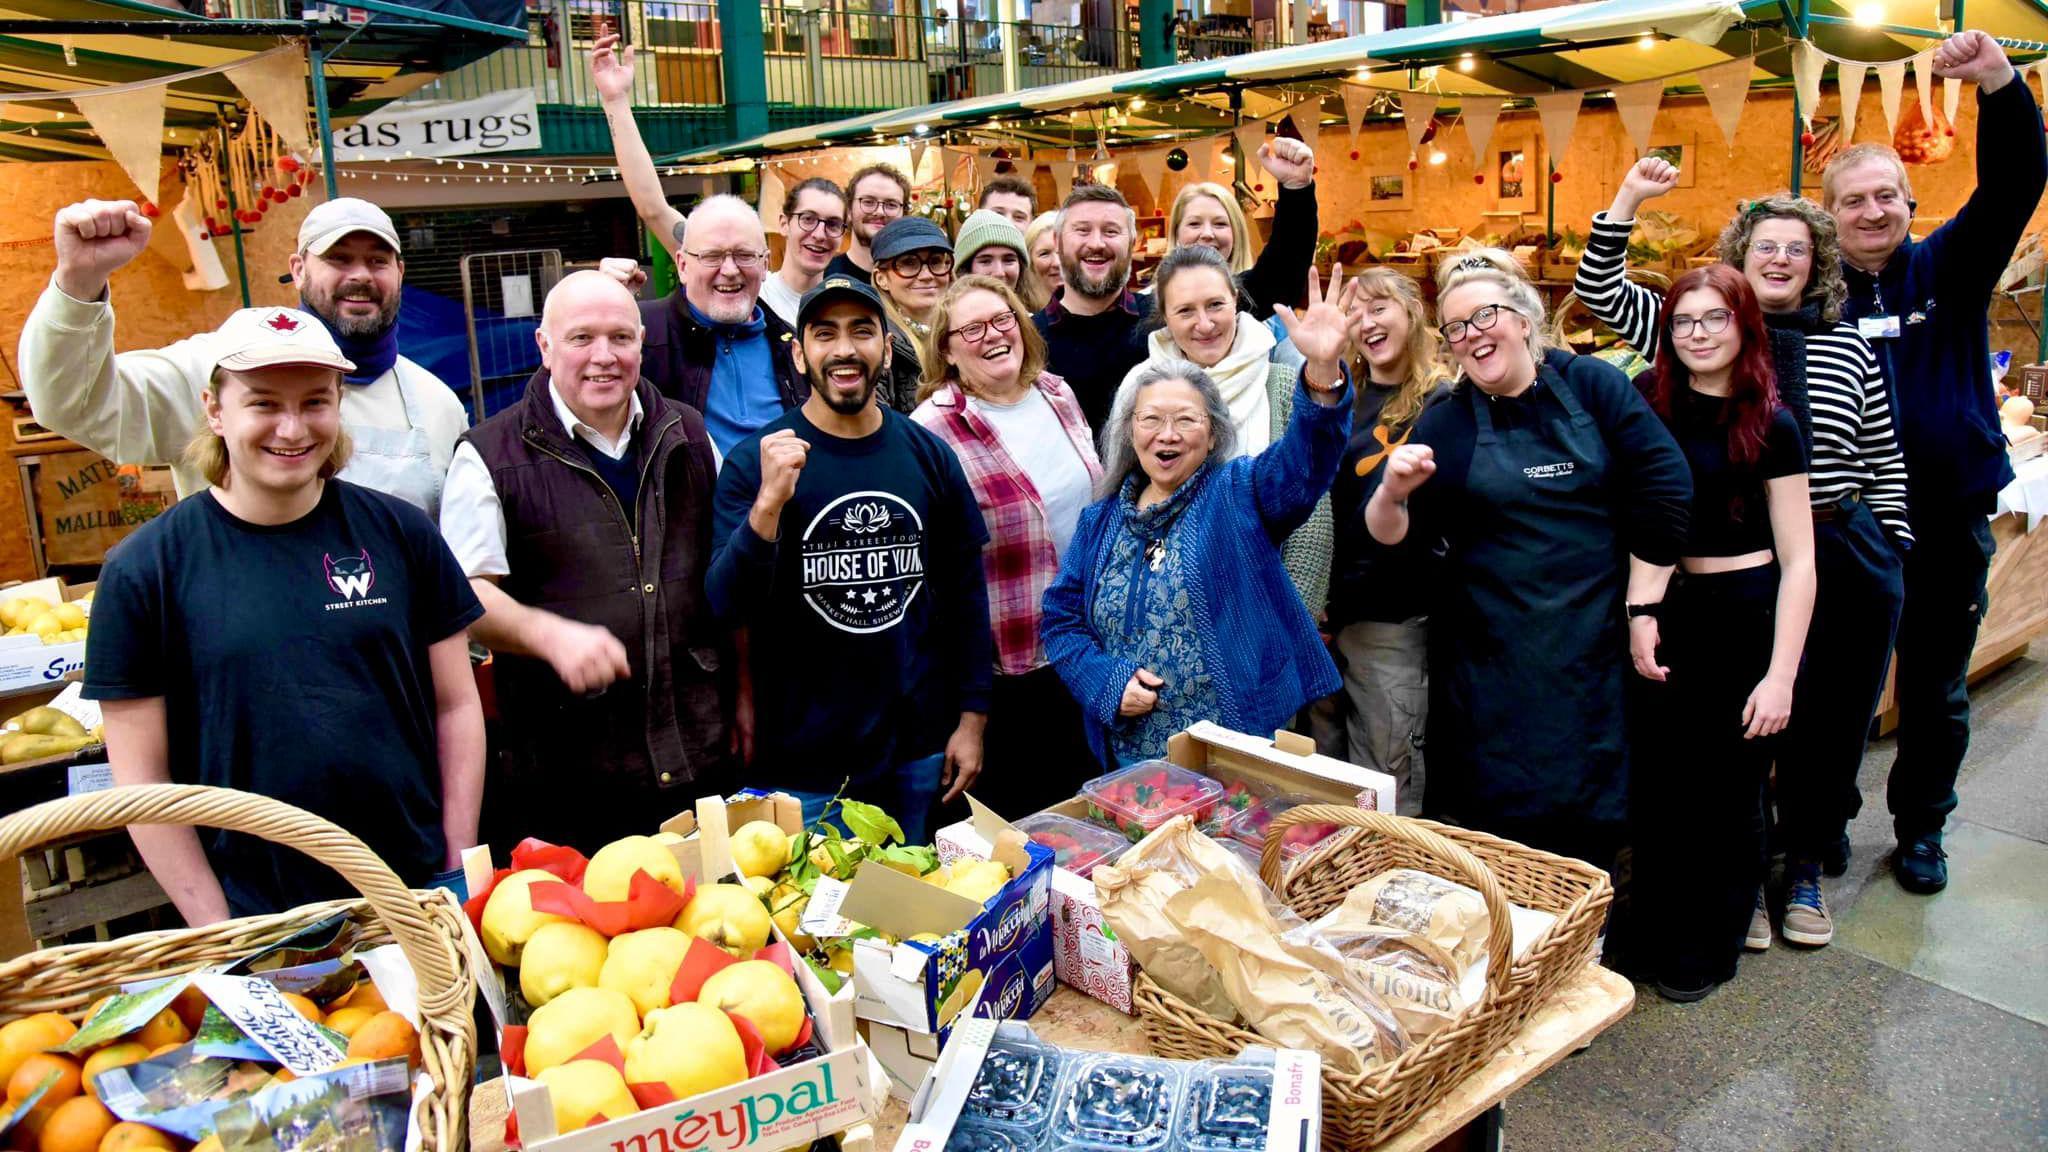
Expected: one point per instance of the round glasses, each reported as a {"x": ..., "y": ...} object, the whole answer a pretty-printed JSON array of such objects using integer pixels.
[
  {"x": 1002, "y": 323},
  {"x": 1715, "y": 322},
  {"x": 1481, "y": 320},
  {"x": 833, "y": 226},
  {"x": 937, "y": 261}
]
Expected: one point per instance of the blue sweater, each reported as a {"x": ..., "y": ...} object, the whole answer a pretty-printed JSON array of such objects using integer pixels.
[
  {"x": 1939, "y": 366},
  {"x": 1255, "y": 632}
]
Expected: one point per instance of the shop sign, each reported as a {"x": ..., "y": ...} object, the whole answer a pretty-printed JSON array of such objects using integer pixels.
[{"x": 499, "y": 122}]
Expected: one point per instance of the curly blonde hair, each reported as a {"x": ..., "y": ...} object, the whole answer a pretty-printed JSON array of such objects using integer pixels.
[
  {"x": 1825, "y": 287},
  {"x": 1499, "y": 268}
]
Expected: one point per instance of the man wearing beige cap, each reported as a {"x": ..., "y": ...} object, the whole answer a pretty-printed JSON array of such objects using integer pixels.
[
  {"x": 142, "y": 407},
  {"x": 290, "y": 634}
]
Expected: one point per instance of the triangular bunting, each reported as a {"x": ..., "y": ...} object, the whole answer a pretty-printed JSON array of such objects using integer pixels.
[
  {"x": 1480, "y": 117},
  {"x": 1151, "y": 166},
  {"x": 1726, "y": 86},
  {"x": 771, "y": 197},
  {"x": 1308, "y": 121},
  {"x": 1062, "y": 177},
  {"x": 1850, "y": 80},
  {"x": 1250, "y": 135},
  {"x": 1951, "y": 96},
  {"x": 917, "y": 150},
  {"x": 1891, "y": 85},
  {"x": 1807, "y": 63},
  {"x": 1357, "y": 102},
  {"x": 1417, "y": 108},
  {"x": 1922, "y": 70},
  {"x": 275, "y": 84},
  {"x": 131, "y": 125},
  {"x": 1202, "y": 159},
  {"x": 1559, "y": 112},
  {"x": 1637, "y": 105}
]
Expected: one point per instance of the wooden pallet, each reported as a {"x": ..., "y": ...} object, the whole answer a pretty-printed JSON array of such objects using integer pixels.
[{"x": 91, "y": 888}]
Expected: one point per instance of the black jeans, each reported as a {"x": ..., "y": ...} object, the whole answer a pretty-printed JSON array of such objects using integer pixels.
[
  {"x": 1848, "y": 652},
  {"x": 1697, "y": 788},
  {"x": 1946, "y": 573}
]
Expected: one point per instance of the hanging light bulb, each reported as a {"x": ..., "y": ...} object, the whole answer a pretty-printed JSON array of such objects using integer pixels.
[
  {"x": 1436, "y": 156},
  {"x": 1870, "y": 15},
  {"x": 1466, "y": 62}
]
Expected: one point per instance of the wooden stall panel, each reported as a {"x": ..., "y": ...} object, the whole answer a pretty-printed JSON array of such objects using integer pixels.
[{"x": 86, "y": 503}]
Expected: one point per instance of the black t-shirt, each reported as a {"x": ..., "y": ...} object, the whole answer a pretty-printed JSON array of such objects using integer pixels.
[
  {"x": 1368, "y": 579},
  {"x": 292, "y": 661},
  {"x": 1093, "y": 353},
  {"x": 1731, "y": 514},
  {"x": 843, "y": 265},
  {"x": 867, "y": 619}
]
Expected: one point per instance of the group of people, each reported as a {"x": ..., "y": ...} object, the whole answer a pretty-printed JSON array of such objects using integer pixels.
[{"x": 927, "y": 514}]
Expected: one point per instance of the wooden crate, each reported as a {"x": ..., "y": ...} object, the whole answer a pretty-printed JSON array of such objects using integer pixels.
[
  {"x": 91, "y": 888},
  {"x": 85, "y": 503}
]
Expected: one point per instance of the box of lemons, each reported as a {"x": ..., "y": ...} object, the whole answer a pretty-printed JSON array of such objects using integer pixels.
[
  {"x": 609, "y": 877},
  {"x": 509, "y": 919}
]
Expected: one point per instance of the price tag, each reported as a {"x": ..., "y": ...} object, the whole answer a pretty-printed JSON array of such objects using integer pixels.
[
  {"x": 1099, "y": 951},
  {"x": 821, "y": 915}
]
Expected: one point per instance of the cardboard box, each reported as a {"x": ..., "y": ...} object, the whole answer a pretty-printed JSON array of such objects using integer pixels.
[
  {"x": 27, "y": 662},
  {"x": 789, "y": 1108},
  {"x": 1294, "y": 1121},
  {"x": 1086, "y": 954},
  {"x": 1016, "y": 989}
]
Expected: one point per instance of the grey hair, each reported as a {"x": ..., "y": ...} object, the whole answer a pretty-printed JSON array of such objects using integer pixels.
[
  {"x": 1182, "y": 259},
  {"x": 1500, "y": 269},
  {"x": 1119, "y": 447}
]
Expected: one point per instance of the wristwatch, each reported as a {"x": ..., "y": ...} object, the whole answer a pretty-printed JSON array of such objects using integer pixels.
[{"x": 1653, "y": 609}]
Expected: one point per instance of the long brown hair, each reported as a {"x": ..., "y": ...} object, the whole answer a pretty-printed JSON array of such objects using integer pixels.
[
  {"x": 1753, "y": 382},
  {"x": 932, "y": 355},
  {"x": 1422, "y": 367}
]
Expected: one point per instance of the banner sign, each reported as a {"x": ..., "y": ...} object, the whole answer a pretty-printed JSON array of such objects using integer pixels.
[{"x": 499, "y": 122}]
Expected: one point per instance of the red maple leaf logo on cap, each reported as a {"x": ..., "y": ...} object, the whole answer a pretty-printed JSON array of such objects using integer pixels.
[{"x": 283, "y": 323}]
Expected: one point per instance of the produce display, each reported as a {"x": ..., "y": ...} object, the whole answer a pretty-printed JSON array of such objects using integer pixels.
[
  {"x": 1077, "y": 845},
  {"x": 1239, "y": 797},
  {"x": 1249, "y": 828},
  {"x": 45, "y": 731},
  {"x": 1140, "y": 798},
  {"x": 64, "y": 623}
]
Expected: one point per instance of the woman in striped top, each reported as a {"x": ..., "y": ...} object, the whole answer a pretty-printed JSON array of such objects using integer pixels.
[{"x": 1829, "y": 377}]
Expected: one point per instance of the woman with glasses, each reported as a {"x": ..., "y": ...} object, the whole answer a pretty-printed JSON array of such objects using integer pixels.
[
  {"x": 989, "y": 244},
  {"x": 1208, "y": 216},
  {"x": 1171, "y": 604},
  {"x": 1031, "y": 461},
  {"x": 1535, "y": 483},
  {"x": 1195, "y": 305},
  {"x": 1042, "y": 245},
  {"x": 1828, "y": 375},
  {"x": 913, "y": 268},
  {"x": 1719, "y": 646}
]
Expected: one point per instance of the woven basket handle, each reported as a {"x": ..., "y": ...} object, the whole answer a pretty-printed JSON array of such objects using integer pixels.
[
  {"x": 186, "y": 804},
  {"x": 1500, "y": 934}
]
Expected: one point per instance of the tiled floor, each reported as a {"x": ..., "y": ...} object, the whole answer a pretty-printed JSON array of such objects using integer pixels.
[{"x": 1923, "y": 1027}]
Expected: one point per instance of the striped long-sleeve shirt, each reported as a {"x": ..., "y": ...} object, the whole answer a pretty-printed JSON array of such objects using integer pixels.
[{"x": 1854, "y": 451}]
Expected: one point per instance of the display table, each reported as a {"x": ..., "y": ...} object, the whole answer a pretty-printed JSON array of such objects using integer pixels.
[
  {"x": 2018, "y": 582},
  {"x": 1583, "y": 1008}
]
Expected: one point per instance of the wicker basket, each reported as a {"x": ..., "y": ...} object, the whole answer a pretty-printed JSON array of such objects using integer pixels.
[
  {"x": 428, "y": 926},
  {"x": 1360, "y": 1110}
]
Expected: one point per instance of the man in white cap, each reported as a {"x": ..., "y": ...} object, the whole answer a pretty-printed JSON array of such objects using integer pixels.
[
  {"x": 288, "y": 634},
  {"x": 142, "y": 407}
]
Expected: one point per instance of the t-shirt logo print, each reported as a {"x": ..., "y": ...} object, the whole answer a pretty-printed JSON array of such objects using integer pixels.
[
  {"x": 350, "y": 576},
  {"x": 863, "y": 561}
]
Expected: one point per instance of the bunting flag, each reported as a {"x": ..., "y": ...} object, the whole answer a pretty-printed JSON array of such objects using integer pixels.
[
  {"x": 1951, "y": 96},
  {"x": 131, "y": 125},
  {"x": 1559, "y": 112},
  {"x": 1480, "y": 117},
  {"x": 1637, "y": 105},
  {"x": 1417, "y": 109},
  {"x": 1151, "y": 166},
  {"x": 917, "y": 150},
  {"x": 275, "y": 84},
  {"x": 1922, "y": 70},
  {"x": 1891, "y": 85},
  {"x": 1850, "y": 80},
  {"x": 1308, "y": 121},
  {"x": 1357, "y": 102},
  {"x": 770, "y": 205},
  {"x": 1250, "y": 135},
  {"x": 1202, "y": 158},
  {"x": 1062, "y": 177},
  {"x": 1807, "y": 63},
  {"x": 1727, "y": 87}
]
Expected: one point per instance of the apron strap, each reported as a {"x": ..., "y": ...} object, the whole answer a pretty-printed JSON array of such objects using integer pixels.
[
  {"x": 414, "y": 418},
  {"x": 1482, "y": 414},
  {"x": 1566, "y": 395}
]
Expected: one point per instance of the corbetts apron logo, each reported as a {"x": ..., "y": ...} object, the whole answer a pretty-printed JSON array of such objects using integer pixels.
[{"x": 863, "y": 561}]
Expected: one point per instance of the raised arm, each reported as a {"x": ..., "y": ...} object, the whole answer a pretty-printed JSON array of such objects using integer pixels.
[
  {"x": 1276, "y": 277},
  {"x": 1632, "y": 310},
  {"x": 1297, "y": 470},
  {"x": 746, "y": 522},
  {"x": 1971, "y": 251},
  {"x": 612, "y": 70}
]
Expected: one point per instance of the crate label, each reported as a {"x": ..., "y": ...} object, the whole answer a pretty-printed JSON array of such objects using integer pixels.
[
  {"x": 821, "y": 915},
  {"x": 84, "y": 778}
]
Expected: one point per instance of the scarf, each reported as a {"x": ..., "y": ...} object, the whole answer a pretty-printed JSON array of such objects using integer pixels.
[
  {"x": 1788, "y": 354},
  {"x": 1240, "y": 375},
  {"x": 373, "y": 356}
]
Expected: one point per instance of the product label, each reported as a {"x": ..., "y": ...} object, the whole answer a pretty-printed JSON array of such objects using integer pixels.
[
  {"x": 260, "y": 1011},
  {"x": 821, "y": 914}
]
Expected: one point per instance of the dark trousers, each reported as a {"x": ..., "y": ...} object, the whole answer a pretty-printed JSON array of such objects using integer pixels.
[
  {"x": 1848, "y": 651},
  {"x": 1697, "y": 787},
  {"x": 1034, "y": 752},
  {"x": 1946, "y": 573}
]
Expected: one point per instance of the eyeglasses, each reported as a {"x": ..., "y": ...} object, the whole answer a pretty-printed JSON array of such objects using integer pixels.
[
  {"x": 1151, "y": 423},
  {"x": 937, "y": 261},
  {"x": 1769, "y": 249},
  {"x": 1715, "y": 322},
  {"x": 1482, "y": 320},
  {"x": 741, "y": 258},
  {"x": 1002, "y": 323},
  {"x": 834, "y": 226},
  {"x": 887, "y": 207}
]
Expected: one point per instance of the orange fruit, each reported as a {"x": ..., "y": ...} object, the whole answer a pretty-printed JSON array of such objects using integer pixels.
[
  {"x": 303, "y": 1006},
  {"x": 112, "y": 1056},
  {"x": 191, "y": 1008},
  {"x": 163, "y": 1028},
  {"x": 163, "y": 1048},
  {"x": 31, "y": 1073},
  {"x": 27, "y": 1132},
  {"x": 78, "y": 1125},
  {"x": 210, "y": 1144},
  {"x": 284, "y": 1075},
  {"x": 347, "y": 1020},
  {"x": 20, "y": 1039},
  {"x": 364, "y": 995},
  {"x": 128, "y": 1136},
  {"x": 385, "y": 1036}
]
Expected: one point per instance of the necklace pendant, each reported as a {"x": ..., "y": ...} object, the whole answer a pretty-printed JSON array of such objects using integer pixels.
[{"x": 1155, "y": 554}]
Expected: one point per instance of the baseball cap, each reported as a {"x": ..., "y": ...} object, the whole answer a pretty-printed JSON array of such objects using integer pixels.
[
  {"x": 274, "y": 337},
  {"x": 333, "y": 219},
  {"x": 909, "y": 234},
  {"x": 833, "y": 288}
]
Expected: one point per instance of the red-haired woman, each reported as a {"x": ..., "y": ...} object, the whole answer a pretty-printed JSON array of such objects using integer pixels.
[{"x": 1721, "y": 644}]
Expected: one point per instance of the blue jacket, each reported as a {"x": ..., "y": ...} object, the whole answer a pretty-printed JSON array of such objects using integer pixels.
[
  {"x": 1253, "y": 624},
  {"x": 1939, "y": 366}
]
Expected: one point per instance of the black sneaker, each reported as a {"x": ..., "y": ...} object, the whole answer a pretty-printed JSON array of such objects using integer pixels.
[
  {"x": 1836, "y": 860},
  {"x": 1920, "y": 865},
  {"x": 1684, "y": 995}
]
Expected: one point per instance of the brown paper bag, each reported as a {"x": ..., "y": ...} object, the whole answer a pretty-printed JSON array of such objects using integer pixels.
[{"x": 1447, "y": 914}]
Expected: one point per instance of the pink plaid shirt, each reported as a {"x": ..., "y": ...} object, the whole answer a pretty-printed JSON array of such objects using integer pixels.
[{"x": 1019, "y": 559}]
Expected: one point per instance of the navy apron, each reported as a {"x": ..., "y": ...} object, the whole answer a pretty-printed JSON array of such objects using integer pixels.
[{"x": 1531, "y": 657}]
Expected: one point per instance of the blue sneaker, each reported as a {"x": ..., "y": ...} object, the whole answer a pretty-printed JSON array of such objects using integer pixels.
[
  {"x": 1920, "y": 865},
  {"x": 1806, "y": 920}
]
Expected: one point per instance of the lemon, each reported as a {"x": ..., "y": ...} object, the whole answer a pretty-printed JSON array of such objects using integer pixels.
[
  {"x": 559, "y": 957},
  {"x": 563, "y": 1027},
  {"x": 582, "y": 1090},
  {"x": 70, "y": 615},
  {"x": 693, "y": 1048},
  {"x": 509, "y": 919},
  {"x": 759, "y": 848},
  {"x": 45, "y": 624},
  {"x": 641, "y": 966},
  {"x": 610, "y": 874},
  {"x": 764, "y": 994}
]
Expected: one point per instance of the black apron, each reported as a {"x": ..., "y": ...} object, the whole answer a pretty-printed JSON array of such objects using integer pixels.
[{"x": 1531, "y": 655}]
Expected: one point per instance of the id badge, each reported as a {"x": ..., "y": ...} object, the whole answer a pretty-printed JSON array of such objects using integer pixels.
[{"x": 1878, "y": 327}]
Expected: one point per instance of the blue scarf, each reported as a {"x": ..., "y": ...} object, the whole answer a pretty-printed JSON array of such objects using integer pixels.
[{"x": 373, "y": 356}]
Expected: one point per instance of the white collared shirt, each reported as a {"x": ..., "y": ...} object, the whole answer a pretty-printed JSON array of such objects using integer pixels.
[{"x": 472, "y": 517}]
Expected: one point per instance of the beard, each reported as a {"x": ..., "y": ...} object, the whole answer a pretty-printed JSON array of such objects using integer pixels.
[
  {"x": 327, "y": 306},
  {"x": 728, "y": 309},
  {"x": 1112, "y": 282},
  {"x": 821, "y": 378}
]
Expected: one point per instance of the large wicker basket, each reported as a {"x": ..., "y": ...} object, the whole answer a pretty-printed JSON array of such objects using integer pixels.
[
  {"x": 1360, "y": 1110},
  {"x": 428, "y": 926}
]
